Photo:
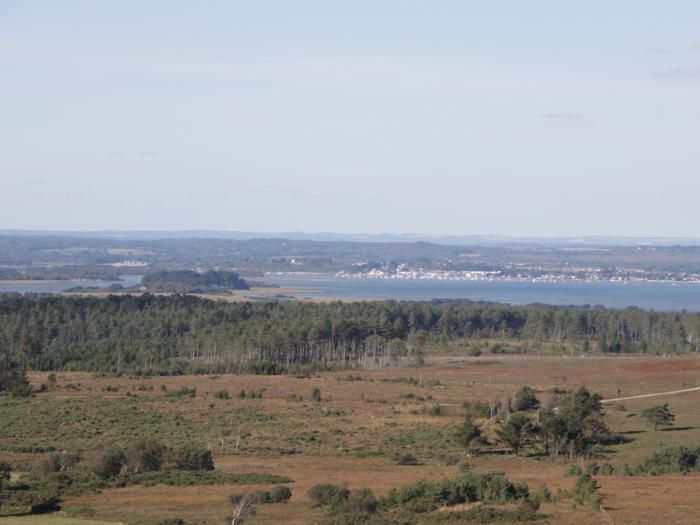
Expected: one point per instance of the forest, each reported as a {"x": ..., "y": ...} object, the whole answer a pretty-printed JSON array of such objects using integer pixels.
[
  {"x": 191, "y": 281},
  {"x": 186, "y": 334}
]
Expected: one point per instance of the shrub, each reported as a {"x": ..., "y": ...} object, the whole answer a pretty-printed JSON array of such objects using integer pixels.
[
  {"x": 670, "y": 460},
  {"x": 573, "y": 470},
  {"x": 253, "y": 394},
  {"x": 592, "y": 468},
  {"x": 202, "y": 477},
  {"x": 191, "y": 457},
  {"x": 222, "y": 394},
  {"x": 326, "y": 494},
  {"x": 448, "y": 459},
  {"x": 658, "y": 415},
  {"x": 260, "y": 497},
  {"x": 406, "y": 458},
  {"x": 361, "y": 501},
  {"x": 478, "y": 409},
  {"x": 525, "y": 399},
  {"x": 316, "y": 395},
  {"x": 58, "y": 462},
  {"x": 607, "y": 469},
  {"x": 586, "y": 490},
  {"x": 483, "y": 514},
  {"x": 542, "y": 493},
  {"x": 434, "y": 409},
  {"x": 183, "y": 391},
  {"x": 280, "y": 494},
  {"x": 108, "y": 464},
  {"x": 529, "y": 505},
  {"x": 467, "y": 434},
  {"x": 5, "y": 473},
  {"x": 424, "y": 496},
  {"x": 145, "y": 455}
]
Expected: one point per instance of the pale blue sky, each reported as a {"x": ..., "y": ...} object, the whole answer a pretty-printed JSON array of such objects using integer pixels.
[{"x": 520, "y": 118}]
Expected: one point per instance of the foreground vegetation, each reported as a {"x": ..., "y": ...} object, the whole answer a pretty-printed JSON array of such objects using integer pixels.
[
  {"x": 471, "y": 429},
  {"x": 340, "y": 448}
]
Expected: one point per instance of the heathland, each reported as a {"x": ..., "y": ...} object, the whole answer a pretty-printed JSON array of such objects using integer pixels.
[{"x": 176, "y": 409}]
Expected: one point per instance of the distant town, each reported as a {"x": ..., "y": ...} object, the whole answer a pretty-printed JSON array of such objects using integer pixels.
[{"x": 526, "y": 273}]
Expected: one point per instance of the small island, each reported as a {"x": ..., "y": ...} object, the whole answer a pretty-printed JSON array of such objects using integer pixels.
[{"x": 188, "y": 281}]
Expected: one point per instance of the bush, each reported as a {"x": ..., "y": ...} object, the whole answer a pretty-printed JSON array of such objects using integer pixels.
[
  {"x": 434, "y": 409},
  {"x": 5, "y": 473},
  {"x": 202, "y": 477},
  {"x": 529, "y": 505},
  {"x": 191, "y": 457},
  {"x": 586, "y": 490},
  {"x": 316, "y": 395},
  {"x": 222, "y": 394},
  {"x": 525, "y": 399},
  {"x": 280, "y": 494},
  {"x": 658, "y": 415},
  {"x": 424, "y": 496},
  {"x": 108, "y": 464},
  {"x": 476, "y": 410},
  {"x": 448, "y": 459},
  {"x": 361, "y": 501},
  {"x": 671, "y": 460},
  {"x": 259, "y": 497},
  {"x": 607, "y": 469},
  {"x": 573, "y": 470},
  {"x": 406, "y": 458},
  {"x": 58, "y": 463},
  {"x": 327, "y": 494},
  {"x": 253, "y": 394},
  {"x": 542, "y": 493},
  {"x": 483, "y": 514},
  {"x": 592, "y": 468},
  {"x": 145, "y": 455},
  {"x": 183, "y": 391}
]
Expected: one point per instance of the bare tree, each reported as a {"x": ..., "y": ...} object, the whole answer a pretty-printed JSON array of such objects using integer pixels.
[
  {"x": 241, "y": 508},
  {"x": 226, "y": 432}
]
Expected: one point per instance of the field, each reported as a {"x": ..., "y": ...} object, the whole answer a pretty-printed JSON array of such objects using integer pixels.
[{"x": 363, "y": 419}]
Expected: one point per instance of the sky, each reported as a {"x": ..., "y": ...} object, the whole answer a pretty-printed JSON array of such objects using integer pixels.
[{"x": 538, "y": 118}]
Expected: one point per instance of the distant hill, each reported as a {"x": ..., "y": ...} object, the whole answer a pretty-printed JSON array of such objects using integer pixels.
[
  {"x": 451, "y": 240},
  {"x": 189, "y": 281}
]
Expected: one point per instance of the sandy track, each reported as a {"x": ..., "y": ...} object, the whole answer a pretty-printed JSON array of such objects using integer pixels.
[{"x": 655, "y": 394}]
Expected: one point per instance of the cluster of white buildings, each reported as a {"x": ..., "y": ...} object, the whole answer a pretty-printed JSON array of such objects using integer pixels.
[{"x": 534, "y": 275}]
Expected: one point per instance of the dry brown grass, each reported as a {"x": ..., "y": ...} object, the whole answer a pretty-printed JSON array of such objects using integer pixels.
[{"x": 373, "y": 408}]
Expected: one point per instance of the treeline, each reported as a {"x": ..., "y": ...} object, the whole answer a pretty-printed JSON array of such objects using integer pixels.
[{"x": 159, "y": 334}]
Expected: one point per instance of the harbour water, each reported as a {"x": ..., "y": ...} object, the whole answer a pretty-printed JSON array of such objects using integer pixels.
[
  {"x": 662, "y": 296},
  {"x": 61, "y": 286}
]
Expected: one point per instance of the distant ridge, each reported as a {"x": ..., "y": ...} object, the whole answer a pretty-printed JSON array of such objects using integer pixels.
[{"x": 456, "y": 240}]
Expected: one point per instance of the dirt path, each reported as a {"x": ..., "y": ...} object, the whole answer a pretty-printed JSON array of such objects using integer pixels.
[{"x": 655, "y": 394}]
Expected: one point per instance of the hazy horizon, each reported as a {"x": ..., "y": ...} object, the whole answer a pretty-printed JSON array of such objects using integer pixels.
[
  {"x": 538, "y": 119},
  {"x": 447, "y": 239}
]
